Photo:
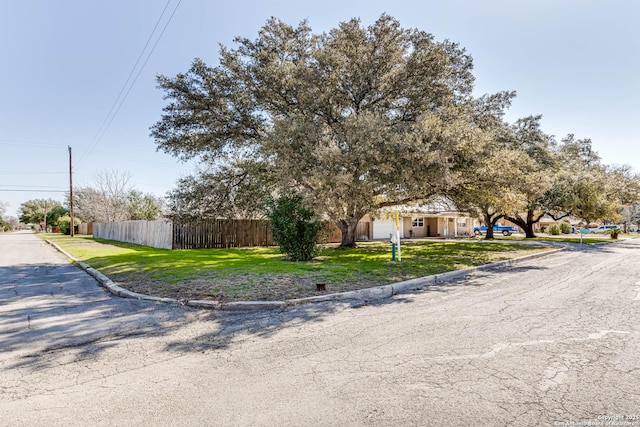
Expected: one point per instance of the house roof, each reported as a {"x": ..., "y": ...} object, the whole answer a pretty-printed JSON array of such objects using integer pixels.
[
  {"x": 436, "y": 207},
  {"x": 571, "y": 220}
]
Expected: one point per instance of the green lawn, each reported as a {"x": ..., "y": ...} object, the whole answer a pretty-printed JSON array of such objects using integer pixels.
[{"x": 262, "y": 274}]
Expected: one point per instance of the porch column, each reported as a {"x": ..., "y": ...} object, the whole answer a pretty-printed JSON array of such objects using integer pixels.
[{"x": 455, "y": 226}]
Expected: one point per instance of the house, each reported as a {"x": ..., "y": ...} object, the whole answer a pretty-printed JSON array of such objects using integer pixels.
[
  {"x": 546, "y": 221},
  {"x": 436, "y": 219}
]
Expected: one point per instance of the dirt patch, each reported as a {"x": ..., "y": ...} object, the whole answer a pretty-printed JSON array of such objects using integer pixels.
[{"x": 244, "y": 287}]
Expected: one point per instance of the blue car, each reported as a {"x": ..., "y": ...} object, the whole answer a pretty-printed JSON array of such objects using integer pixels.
[{"x": 506, "y": 230}]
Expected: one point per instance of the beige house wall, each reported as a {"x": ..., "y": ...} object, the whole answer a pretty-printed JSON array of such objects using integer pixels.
[{"x": 423, "y": 225}]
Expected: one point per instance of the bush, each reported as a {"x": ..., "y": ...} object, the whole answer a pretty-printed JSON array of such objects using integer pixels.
[
  {"x": 565, "y": 228},
  {"x": 294, "y": 227},
  {"x": 554, "y": 229},
  {"x": 64, "y": 224}
]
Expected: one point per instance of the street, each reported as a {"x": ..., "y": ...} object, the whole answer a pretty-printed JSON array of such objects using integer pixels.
[{"x": 552, "y": 341}]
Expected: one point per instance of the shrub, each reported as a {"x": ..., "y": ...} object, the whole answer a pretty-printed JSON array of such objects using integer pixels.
[
  {"x": 294, "y": 227},
  {"x": 64, "y": 224},
  {"x": 554, "y": 229},
  {"x": 565, "y": 228}
]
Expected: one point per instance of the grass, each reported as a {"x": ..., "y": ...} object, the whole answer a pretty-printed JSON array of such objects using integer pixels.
[{"x": 262, "y": 274}]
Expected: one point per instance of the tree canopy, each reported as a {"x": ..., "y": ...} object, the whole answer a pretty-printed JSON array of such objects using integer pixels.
[
  {"x": 33, "y": 211},
  {"x": 361, "y": 118},
  {"x": 354, "y": 119}
]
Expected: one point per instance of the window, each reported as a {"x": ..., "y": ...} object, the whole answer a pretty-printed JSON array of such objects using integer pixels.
[{"x": 417, "y": 222}]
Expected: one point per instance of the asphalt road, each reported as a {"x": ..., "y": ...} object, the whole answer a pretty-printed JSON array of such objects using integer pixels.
[{"x": 554, "y": 341}]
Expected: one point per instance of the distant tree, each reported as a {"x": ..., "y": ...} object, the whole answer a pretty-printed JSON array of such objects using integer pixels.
[
  {"x": 55, "y": 213},
  {"x": 591, "y": 202},
  {"x": 624, "y": 187},
  {"x": 590, "y": 190},
  {"x": 631, "y": 215},
  {"x": 4, "y": 224},
  {"x": 7, "y": 222},
  {"x": 105, "y": 200},
  {"x": 11, "y": 222},
  {"x": 144, "y": 206},
  {"x": 33, "y": 211},
  {"x": 354, "y": 120},
  {"x": 110, "y": 198}
]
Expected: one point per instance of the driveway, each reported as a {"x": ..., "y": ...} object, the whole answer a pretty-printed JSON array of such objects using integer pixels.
[{"x": 554, "y": 341}]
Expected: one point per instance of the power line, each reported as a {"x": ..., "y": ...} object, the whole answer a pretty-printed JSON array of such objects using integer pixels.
[
  {"x": 137, "y": 159},
  {"x": 119, "y": 102},
  {"x": 29, "y": 144},
  {"x": 32, "y": 173},
  {"x": 29, "y": 186},
  {"x": 115, "y": 102},
  {"x": 32, "y": 191}
]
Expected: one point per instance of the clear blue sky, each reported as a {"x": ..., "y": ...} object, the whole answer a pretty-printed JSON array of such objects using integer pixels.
[{"x": 576, "y": 62}]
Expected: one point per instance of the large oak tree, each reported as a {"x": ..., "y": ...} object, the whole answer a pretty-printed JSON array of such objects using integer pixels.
[
  {"x": 355, "y": 119},
  {"x": 537, "y": 167}
]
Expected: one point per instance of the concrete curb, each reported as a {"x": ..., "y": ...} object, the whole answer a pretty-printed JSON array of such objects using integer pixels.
[{"x": 365, "y": 295}]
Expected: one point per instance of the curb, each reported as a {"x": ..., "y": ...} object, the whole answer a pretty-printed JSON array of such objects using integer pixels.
[{"x": 365, "y": 295}]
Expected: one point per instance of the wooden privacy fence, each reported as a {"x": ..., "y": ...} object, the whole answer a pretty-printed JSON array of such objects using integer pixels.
[
  {"x": 222, "y": 234},
  {"x": 205, "y": 234},
  {"x": 85, "y": 228},
  {"x": 332, "y": 233}
]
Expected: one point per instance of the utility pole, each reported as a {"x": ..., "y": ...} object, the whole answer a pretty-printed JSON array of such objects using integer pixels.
[
  {"x": 45, "y": 216},
  {"x": 71, "y": 194}
]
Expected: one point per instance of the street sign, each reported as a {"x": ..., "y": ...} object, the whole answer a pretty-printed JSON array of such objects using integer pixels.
[{"x": 583, "y": 231}]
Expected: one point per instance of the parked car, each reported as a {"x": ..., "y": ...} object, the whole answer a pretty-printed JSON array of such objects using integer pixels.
[
  {"x": 506, "y": 230},
  {"x": 605, "y": 228}
]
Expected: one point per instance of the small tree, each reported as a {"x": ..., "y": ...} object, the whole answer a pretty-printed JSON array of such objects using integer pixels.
[{"x": 294, "y": 227}]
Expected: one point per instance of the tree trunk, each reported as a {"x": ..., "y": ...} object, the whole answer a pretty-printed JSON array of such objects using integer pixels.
[
  {"x": 489, "y": 235},
  {"x": 528, "y": 231},
  {"x": 526, "y": 225},
  {"x": 490, "y": 221},
  {"x": 348, "y": 229}
]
